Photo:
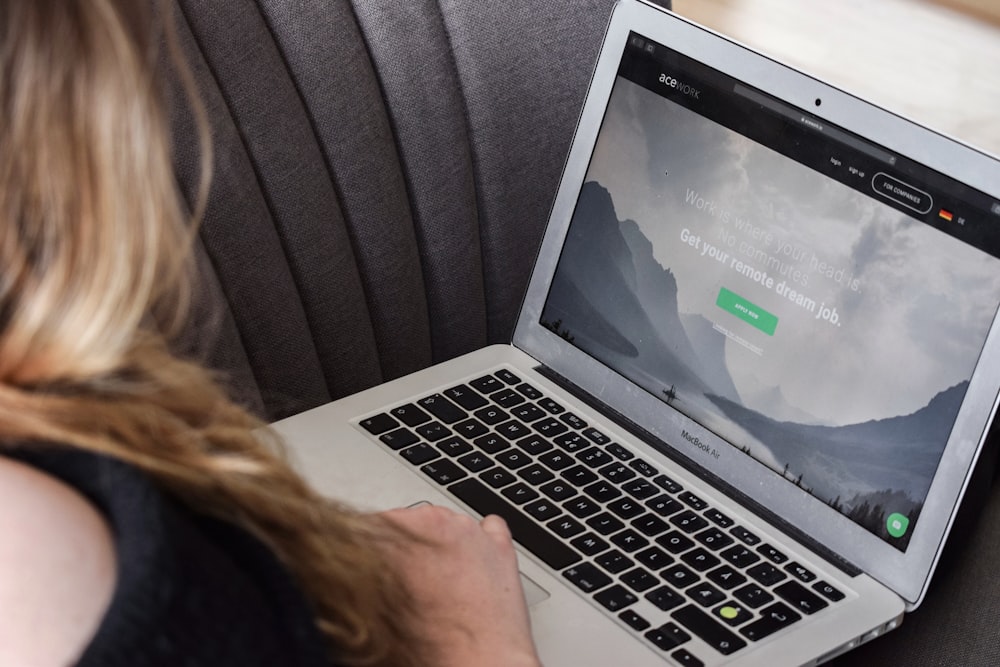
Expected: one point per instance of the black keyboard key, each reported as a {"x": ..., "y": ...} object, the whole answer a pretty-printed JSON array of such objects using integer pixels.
[
  {"x": 587, "y": 577},
  {"x": 706, "y": 594},
  {"x": 693, "y": 501},
  {"x": 753, "y": 596},
  {"x": 773, "y": 554},
  {"x": 619, "y": 452},
  {"x": 491, "y": 443},
  {"x": 800, "y": 598},
  {"x": 726, "y": 577},
  {"x": 639, "y": 579},
  {"x": 512, "y": 430},
  {"x": 508, "y": 398},
  {"x": 534, "y": 444},
  {"x": 443, "y": 472},
  {"x": 773, "y": 618},
  {"x": 667, "y": 637},
  {"x": 650, "y": 525},
  {"x": 527, "y": 413},
  {"x": 589, "y": 544},
  {"x": 688, "y": 521},
  {"x": 379, "y": 424},
  {"x": 644, "y": 468},
  {"x": 732, "y": 614},
  {"x": 572, "y": 421},
  {"x": 578, "y": 476},
  {"x": 419, "y": 453},
  {"x": 454, "y": 446},
  {"x": 596, "y": 436},
  {"x": 675, "y": 542},
  {"x": 740, "y": 556},
  {"x": 551, "y": 406},
  {"x": 442, "y": 408},
  {"x": 626, "y": 508},
  {"x": 476, "y": 462},
  {"x": 535, "y": 474},
  {"x": 519, "y": 493},
  {"x": 433, "y": 431},
  {"x": 640, "y": 489},
  {"x": 470, "y": 428},
  {"x": 465, "y": 397},
  {"x": 556, "y": 460},
  {"x": 713, "y": 538},
  {"x": 745, "y": 536},
  {"x": 800, "y": 572},
  {"x": 542, "y": 510},
  {"x": 602, "y": 492},
  {"x": 654, "y": 558},
  {"x": 664, "y": 505},
  {"x": 571, "y": 442},
  {"x": 828, "y": 591},
  {"x": 513, "y": 459},
  {"x": 667, "y": 484},
  {"x": 487, "y": 384},
  {"x": 410, "y": 415},
  {"x": 581, "y": 507},
  {"x": 529, "y": 534},
  {"x": 549, "y": 427},
  {"x": 700, "y": 560},
  {"x": 680, "y": 576},
  {"x": 766, "y": 574},
  {"x": 491, "y": 415},
  {"x": 497, "y": 477},
  {"x": 708, "y": 630},
  {"x": 558, "y": 490},
  {"x": 633, "y": 620},
  {"x": 615, "y": 598},
  {"x": 507, "y": 376},
  {"x": 605, "y": 524},
  {"x": 629, "y": 540},
  {"x": 529, "y": 392},
  {"x": 614, "y": 561},
  {"x": 565, "y": 526},
  {"x": 618, "y": 473},
  {"x": 718, "y": 518},
  {"x": 684, "y": 657},
  {"x": 401, "y": 437},
  {"x": 665, "y": 598},
  {"x": 594, "y": 457}
]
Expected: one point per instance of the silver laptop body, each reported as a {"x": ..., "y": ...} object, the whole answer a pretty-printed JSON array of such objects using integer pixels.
[{"x": 753, "y": 370}]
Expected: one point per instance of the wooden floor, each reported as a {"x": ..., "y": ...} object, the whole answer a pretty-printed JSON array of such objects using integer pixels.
[{"x": 918, "y": 58}]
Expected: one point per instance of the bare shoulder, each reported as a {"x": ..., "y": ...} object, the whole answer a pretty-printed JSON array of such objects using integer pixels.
[{"x": 57, "y": 568}]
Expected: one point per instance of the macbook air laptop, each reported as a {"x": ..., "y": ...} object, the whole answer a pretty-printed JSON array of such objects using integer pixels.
[{"x": 752, "y": 373}]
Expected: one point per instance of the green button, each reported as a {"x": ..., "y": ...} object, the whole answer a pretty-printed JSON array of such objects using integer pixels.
[
  {"x": 897, "y": 524},
  {"x": 747, "y": 311}
]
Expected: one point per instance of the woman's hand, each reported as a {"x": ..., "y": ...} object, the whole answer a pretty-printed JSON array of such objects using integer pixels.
[{"x": 467, "y": 593}]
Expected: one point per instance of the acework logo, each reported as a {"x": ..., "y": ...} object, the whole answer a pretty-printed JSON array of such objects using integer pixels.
[{"x": 684, "y": 88}]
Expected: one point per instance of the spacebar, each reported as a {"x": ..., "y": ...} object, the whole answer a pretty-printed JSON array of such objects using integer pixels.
[{"x": 526, "y": 532}]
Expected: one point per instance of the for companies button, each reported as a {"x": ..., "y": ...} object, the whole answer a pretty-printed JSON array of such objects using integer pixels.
[
  {"x": 747, "y": 311},
  {"x": 902, "y": 193}
]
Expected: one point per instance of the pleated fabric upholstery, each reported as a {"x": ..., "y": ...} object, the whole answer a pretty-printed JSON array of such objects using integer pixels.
[{"x": 382, "y": 175}]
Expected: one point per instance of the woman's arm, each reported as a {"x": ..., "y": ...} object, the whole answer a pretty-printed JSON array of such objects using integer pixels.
[{"x": 57, "y": 568}]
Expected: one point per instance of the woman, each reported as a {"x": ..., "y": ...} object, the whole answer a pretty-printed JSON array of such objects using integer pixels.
[{"x": 143, "y": 522}]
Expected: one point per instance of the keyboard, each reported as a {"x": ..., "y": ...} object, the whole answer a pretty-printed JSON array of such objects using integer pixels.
[{"x": 656, "y": 556}]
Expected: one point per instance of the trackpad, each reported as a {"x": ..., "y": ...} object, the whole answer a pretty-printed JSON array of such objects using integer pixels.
[{"x": 533, "y": 593}]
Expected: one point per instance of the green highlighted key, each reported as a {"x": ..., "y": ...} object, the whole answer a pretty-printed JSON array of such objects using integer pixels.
[{"x": 749, "y": 312}]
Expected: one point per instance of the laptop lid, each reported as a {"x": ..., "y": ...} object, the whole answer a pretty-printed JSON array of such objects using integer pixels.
[{"x": 790, "y": 288}]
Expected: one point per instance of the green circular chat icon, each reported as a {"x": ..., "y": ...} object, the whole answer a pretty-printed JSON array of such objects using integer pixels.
[{"x": 897, "y": 524}]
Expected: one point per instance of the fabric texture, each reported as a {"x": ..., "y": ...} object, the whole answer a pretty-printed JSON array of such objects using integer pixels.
[{"x": 191, "y": 591}]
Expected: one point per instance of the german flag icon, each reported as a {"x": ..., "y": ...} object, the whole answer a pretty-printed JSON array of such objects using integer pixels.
[{"x": 945, "y": 215}]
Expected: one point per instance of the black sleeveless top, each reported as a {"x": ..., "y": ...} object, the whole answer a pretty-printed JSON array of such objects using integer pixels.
[{"x": 191, "y": 591}]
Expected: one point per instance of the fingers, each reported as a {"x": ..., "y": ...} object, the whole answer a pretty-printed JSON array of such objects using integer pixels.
[{"x": 496, "y": 527}]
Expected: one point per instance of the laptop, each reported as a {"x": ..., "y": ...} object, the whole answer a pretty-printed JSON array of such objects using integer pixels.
[{"x": 753, "y": 370}]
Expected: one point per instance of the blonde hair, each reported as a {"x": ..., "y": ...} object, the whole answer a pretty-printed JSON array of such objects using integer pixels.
[{"x": 95, "y": 260}]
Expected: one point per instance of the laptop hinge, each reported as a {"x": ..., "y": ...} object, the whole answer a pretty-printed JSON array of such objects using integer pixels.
[{"x": 715, "y": 481}]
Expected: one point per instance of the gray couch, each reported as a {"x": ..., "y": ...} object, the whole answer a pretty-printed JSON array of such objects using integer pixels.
[{"x": 383, "y": 171}]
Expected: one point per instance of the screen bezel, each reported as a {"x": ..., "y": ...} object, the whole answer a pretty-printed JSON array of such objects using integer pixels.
[{"x": 908, "y": 573}]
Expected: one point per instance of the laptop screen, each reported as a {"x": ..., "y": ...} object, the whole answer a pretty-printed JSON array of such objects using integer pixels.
[{"x": 817, "y": 301}]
